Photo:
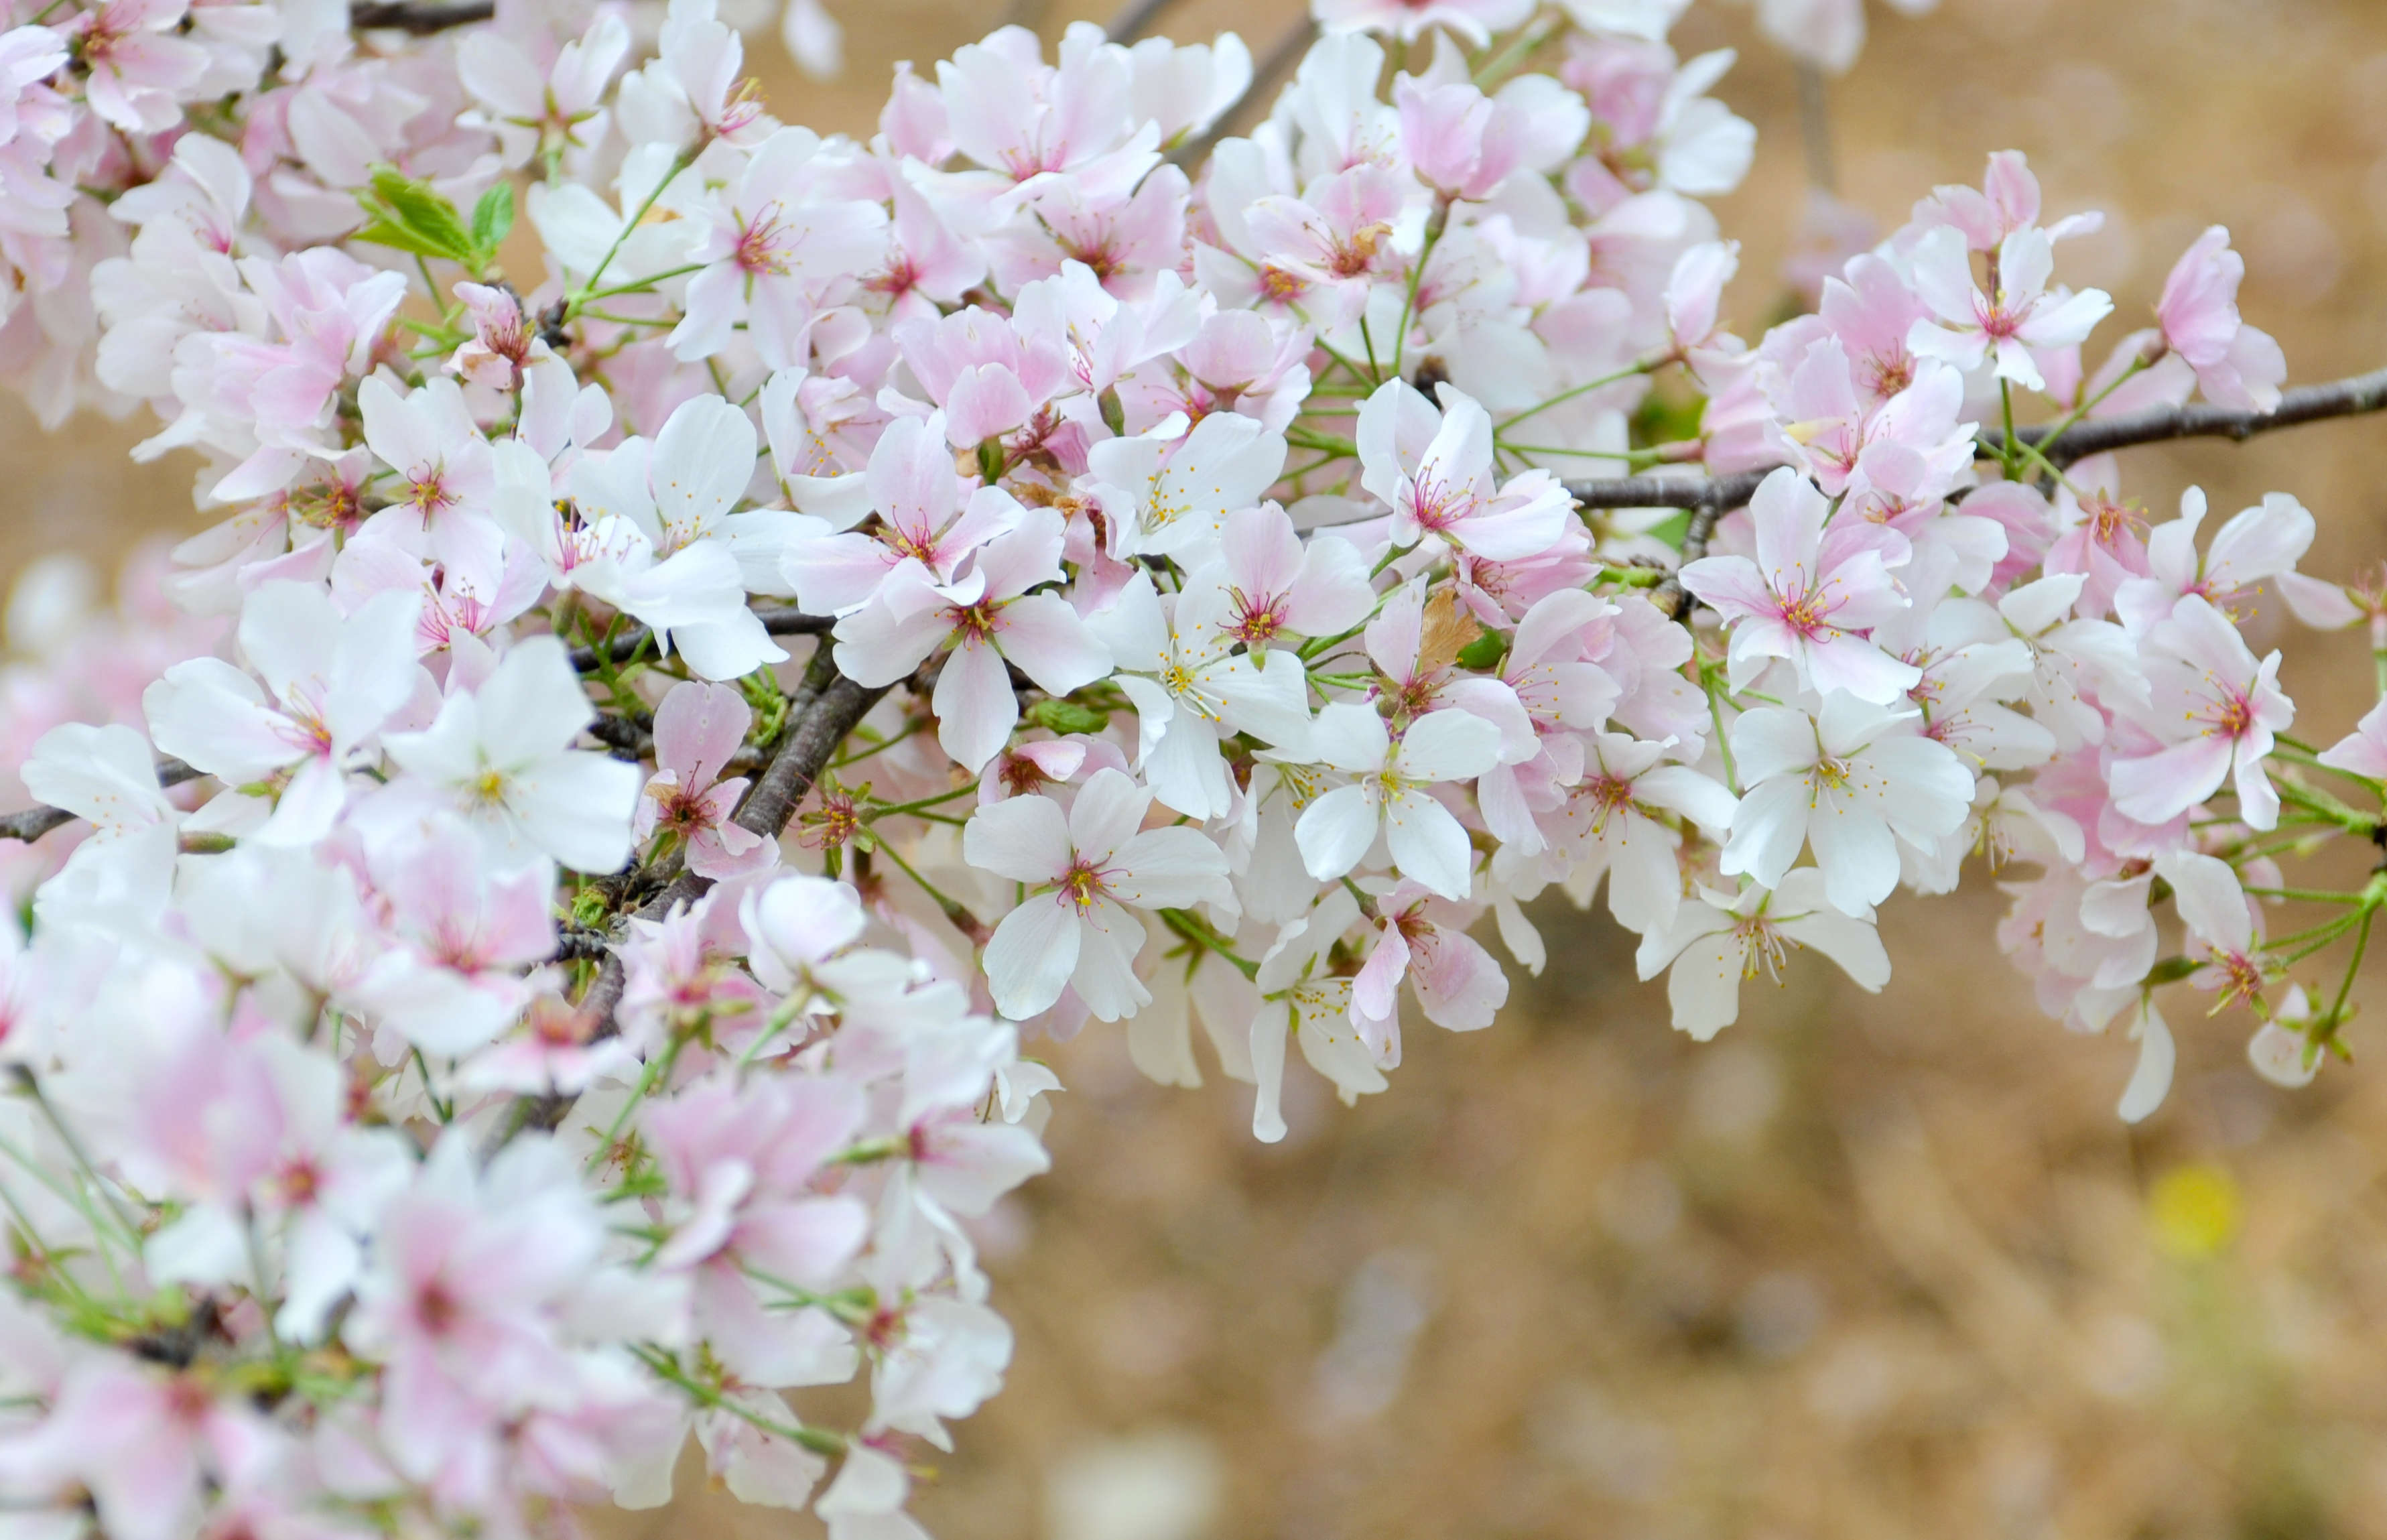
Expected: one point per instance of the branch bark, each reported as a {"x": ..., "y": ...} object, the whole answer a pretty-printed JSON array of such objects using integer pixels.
[
  {"x": 1279, "y": 63},
  {"x": 421, "y": 17},
  {"x": 2353, "y": 396},
  {"x": 778, "y": 620},
  {"x": 825, "y": 709},
  {"x": 36, "y": 821},
  {"x": 1135, "y": 19}
]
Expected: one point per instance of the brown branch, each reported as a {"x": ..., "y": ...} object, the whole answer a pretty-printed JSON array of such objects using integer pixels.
[
  {"x": 2353, "y": 396},
  {"x": 1692, "y": 492},
  {"x": 421, "y": 17},
  {"x": 823, "y": 711},
  {"x": 1670, "y": 595},
  {"x": 34, "y": 821},
  {"x": 1135, "y": 19},
  {"x": 1279, "y": 63},
  {"x": 778, "y": 620}
]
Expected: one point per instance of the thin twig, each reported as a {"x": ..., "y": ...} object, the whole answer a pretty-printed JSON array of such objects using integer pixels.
[
  {"x": 1671, "y": 596},
  {"x": 824, "y": 710},
  {"x": 2354, "y": 397},
  {"x": 778, "y": 621},
  {"x": 2347, "y": 397},
  {"x": 1815, "y": 129},
  {"x": 421, "y": 19},
  {"x": 1279, "y": 63},
  {"x": 34, "y": 821},
  {"x": 1134, "y": 18}
]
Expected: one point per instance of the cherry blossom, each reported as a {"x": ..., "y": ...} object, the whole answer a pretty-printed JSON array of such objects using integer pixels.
[
  {"x": 1718, "y": 940},
  {"x": 1813, "y": 590},
  {"x": 502, "y": 756},
  {"x": 2214, "y": 711},
  {"x": 1081, "y": 869},
  {"x": 533, "y": 920}
]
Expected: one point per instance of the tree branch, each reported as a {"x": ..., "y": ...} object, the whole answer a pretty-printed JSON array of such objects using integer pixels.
[
  {"x": 1279, "y": 63},
  {"x": 421, "y": 17},
  {"x": 2353, "y": 396},
  {"x": 825, "y": 709},
  {"x": 1135, "y": 19},
  {"x": 34, "y": 821},
  {"x": 779, "y": 620},
  {"x": 1670, "y": 595}
]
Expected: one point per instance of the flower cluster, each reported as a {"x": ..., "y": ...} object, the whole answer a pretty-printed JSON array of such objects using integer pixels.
[{"x": 548, "y": 890}]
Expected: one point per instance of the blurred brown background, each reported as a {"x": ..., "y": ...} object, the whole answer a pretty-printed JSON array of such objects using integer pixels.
[{"x": 1862, "y": 1266}]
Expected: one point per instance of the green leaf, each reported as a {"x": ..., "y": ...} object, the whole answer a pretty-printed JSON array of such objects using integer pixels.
[
  {"x": 1065, "y": 716},
  {"x": 411, "y": 216},
  {"x": 1484, "y": 653},
  {"x": 493, "y": 217},
  {"x": 381, "y": 232}
]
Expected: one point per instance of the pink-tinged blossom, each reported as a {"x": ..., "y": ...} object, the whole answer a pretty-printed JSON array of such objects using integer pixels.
[
  {"x": 1475, "y": 21},
  {"x": 2364, "y": 751},
  {"x": 698, "y": 727},
  {"x": 739, "y": 1164},
  {"x": 1422, "y": 938},
  {"x": 502, "y": 756},
  {"x": 334, "y": 681},
  {"x": 460, "y": 1305},
  {"x": 2258, "y": 544},
  {"x": 927, "y": 264},
  {"x": 551, "y": 110},
  {"x": 1810, "y": 596},
  {"x": 1615, "y": 818},
  {"x": 1719, "y": 941},
  {"x": 1460, "y": 142},
  {"x": 2215, "y": 709},
  {"x": 1969, "y": 327},
  {"x": 1081, "y": 869},
  {"x": 2099, "y": 537},
  {"x": 772, "y": 252},
  {"x": 2236, "y": 365},
  {"x": 1176, "y": 666},
  {"x": 2008, "y": 201},
  {"x": 1324, "y": 250},
  {"x": 1279, "y": 584},
  {"x": 1389, "y": 797},
  {"x": 696, "y": 82},
  {"x": 991, "y": 620},
  {"x": 447, "y": 480},
  {"x": 1852, "y": 785},
  {"x": 1695, "y": 297},
  {"x": 925, "y": 530},
  {"x": 504, "y": 341},
  {"x": 451, "y": 984},
  {"x": 1434, "y": 470},
  {"x": 1178, "y": 486},
  {"x": 1043, "y": 127},
  {"x": 143, "y": 1442},
  {"x": 988, "y": 376},
  {"x": 2223, "y": 926},
  {"x": 138, "y": 61}
]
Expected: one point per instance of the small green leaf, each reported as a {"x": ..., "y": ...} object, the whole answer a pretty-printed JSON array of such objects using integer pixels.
[
  {"x": 411, "y": 216},
  {"x": 493, "y": 217},
  {"x": 1065, "y": 716},
  {"x": 1484, "y": 653},
  {"x": 381, "y": 232}
]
